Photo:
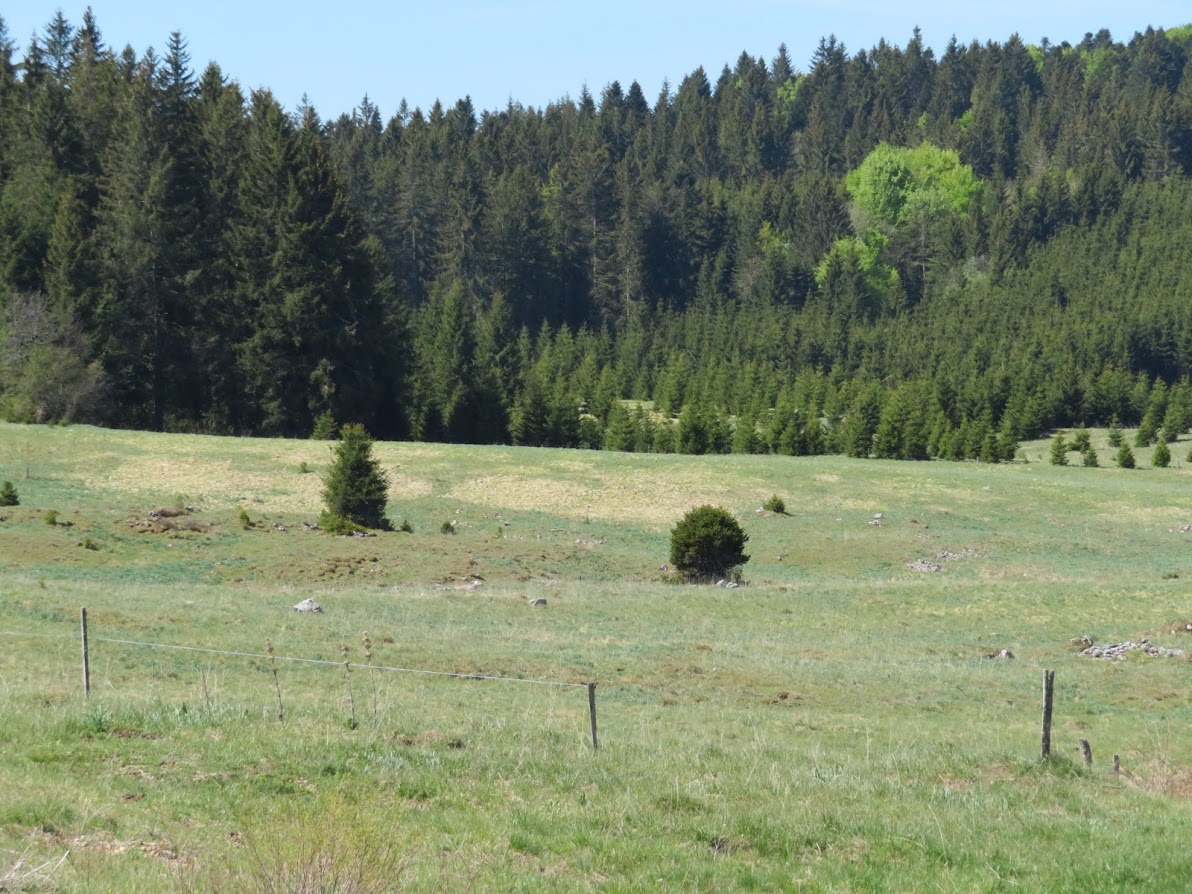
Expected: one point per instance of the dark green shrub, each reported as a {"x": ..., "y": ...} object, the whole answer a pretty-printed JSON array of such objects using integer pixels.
[
  {"x": 775, "y": 504},
  {"x": 339, "y": 525},
  {"x": 405, "y": 527},
  {"x": 1081, "y": 440},
  {"x": 448, "y": 527},
  {"x": 707, "y": 544},
  {"x": 1124, "y": 457},
  {"x": 1089, "y": 458},
  {"x": 355, "y": 487},
  {"x": 8, "y": 495},
  {"x": 50, "y": 517},
  {"x": 245, "y": 521}
]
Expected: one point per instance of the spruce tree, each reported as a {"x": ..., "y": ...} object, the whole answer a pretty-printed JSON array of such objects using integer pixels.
[
  {"x": 1148, "y": 430},
  {"x": 1161, "y": 457},
  {"x": 1124, "y": 457},
  {"x": 1115, "y": 432},
  {"x": 1059, "y": 450},
  {"x": 355, "y": 488}
]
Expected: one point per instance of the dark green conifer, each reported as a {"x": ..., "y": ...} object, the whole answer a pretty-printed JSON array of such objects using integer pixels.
[{"x": 355, "y": 488}]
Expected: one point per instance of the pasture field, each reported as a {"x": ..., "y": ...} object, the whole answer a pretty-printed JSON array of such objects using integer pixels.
[{"x": 834, "y": 725}]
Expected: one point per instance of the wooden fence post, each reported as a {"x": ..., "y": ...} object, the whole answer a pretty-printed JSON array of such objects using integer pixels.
[
  {"x": 592, "y": 713},
  {"x": 86, "y": 657},
  {"x": 1048, "y": 698}
]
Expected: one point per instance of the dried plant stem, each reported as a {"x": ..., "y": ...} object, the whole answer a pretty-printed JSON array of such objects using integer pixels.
[
  {"x": 348, "y": 677},
  {"x": 372, "y": 677},
  {"x": 206, "y": 694},
  {"x": 281, "y": 714}
]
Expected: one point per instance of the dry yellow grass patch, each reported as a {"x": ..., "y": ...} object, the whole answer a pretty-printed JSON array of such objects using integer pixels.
[
  {"x": 654, "y": 499},
  {"x": 183, "y": 467}
]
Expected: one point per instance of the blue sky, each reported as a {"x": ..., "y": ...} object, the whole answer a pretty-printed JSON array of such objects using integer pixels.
[{"x": 535, "y": 51}]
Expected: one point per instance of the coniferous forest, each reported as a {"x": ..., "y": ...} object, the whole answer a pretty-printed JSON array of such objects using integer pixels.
[{"x": 883, "y": 252}]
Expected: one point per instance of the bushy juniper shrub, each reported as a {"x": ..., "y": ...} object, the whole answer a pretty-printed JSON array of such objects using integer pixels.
[{"x": 707, "y": 544}]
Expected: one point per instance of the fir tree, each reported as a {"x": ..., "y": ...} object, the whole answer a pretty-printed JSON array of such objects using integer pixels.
[
  {"x": 1115, "y": 432},
  {"x": 355, "y": 488},
  {"x": 1161, "y": 456},
  {"x": 1059, "y": 450}
]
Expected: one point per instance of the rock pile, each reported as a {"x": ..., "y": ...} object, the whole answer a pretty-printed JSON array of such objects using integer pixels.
[
  {"x": 1117, "y": 651},
  {"x": 924, "y": 565},
  {"x": 308, "y": 605}
]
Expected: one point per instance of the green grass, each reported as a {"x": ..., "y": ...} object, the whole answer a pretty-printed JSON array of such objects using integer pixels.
[{"x": 835, "y": 725}]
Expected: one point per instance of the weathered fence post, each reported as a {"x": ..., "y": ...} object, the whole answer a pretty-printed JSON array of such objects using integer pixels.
[
  {"x": 1048, "y": 698},
  {"x": 1117, "y": 765},
  {"x": 592, "y": 713},
  {"x": 1087, "y": 750},
  {"x": 86, "y": 657}
]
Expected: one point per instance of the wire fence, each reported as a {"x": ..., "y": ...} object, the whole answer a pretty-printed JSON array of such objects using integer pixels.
[{"x": 86, "y": 637}]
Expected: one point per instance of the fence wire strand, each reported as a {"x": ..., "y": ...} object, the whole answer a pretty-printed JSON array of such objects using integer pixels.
[{"x": 323, "y": 661}]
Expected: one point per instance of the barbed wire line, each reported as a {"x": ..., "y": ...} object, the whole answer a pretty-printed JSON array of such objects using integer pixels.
[{"x": 322, "y": 661}]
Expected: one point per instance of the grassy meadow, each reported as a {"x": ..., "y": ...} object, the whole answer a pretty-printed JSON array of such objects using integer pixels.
[{"x": 834, "y": 725}]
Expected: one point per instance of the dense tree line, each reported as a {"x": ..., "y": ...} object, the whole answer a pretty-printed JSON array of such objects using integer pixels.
[{"x": 890, "y": 253}]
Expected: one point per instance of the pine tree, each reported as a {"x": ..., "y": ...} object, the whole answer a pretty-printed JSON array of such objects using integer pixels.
[
  {"x": 1124, "y": 457},
  {"x": 619, "y": 431},
  {"x": 1161, "y": 456},
  {"x": 1148, "y": 430},
  {"x": 1059, "y": 450},
  {"x": 355, "y": 488},
  {"x": 1115, "y": 432},
  {"x": 1089, "y": 458}
]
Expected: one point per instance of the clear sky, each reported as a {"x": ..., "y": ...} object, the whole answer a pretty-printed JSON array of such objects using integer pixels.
[{"x": 534, "y": 52}]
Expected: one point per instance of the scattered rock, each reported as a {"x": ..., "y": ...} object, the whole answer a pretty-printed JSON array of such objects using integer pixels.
[
  {"x": 944, "y": 554},
  {"x": 721, "y": 582},
  {"x": 307, "y": 526},
  {"x": 924, "y": 565},
  {"x": 1181, "y": 627},
  {"x": 732, "y": 585},
  {"x": 1004, "y": 654},
  {"x": 280, "y": 528},
  {"x": 875, "y": 523},
  {"x": 308, "y": 605},
  {"x": 467, "y": 582},
  {"x": 877, "y": 516},
  {"x": 1117, "y": 651},
  {"x": 538, "y": 601}
]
